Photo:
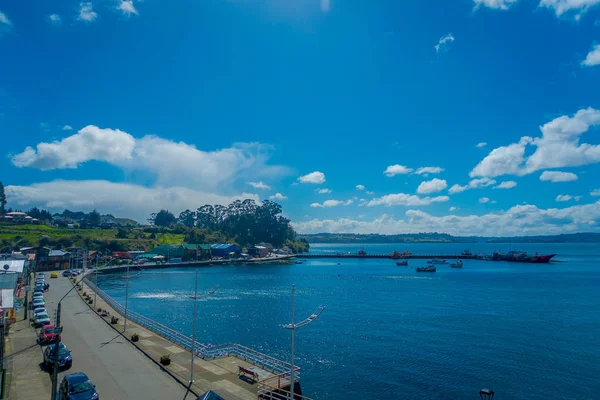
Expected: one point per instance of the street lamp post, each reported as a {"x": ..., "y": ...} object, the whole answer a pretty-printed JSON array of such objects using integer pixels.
[
  {"x": 196, "y": 297},
  {"x": 127, "y": 277},
  {"x": 292, "y": 327}
]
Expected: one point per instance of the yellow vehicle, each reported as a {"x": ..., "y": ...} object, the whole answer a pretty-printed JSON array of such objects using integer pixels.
[{"x": 54, "y": 275}]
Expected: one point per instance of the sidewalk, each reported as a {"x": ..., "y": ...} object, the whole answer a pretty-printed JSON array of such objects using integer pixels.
[
  {"x": 220, "y": 376},
  {"x": 27, "y": 380}
]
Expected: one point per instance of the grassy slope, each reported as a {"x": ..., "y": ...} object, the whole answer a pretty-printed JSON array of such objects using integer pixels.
[{"x": 31, "y": 234}]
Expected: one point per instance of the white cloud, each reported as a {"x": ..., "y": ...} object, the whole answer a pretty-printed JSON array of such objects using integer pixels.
[
  {"x": 314, "y": 177},
  {"x": 558, "y": 147},
  {"x": 443, "y": 42},
  {"x": 259, "y": 185},
  {"x": 325, "y": 5},
  {"x": 324, "y": 191},
  {"x": 360, "y": 187},
  {"x": 119, "y": 199},
  {"x": 595, "y": 193},
  {"x": 484, "y": 200},
  {"x": 369, "y": 193},
  {"x": 332, "y": 203},
  {"x": 67, "y": 128},
  {"x": 517, "y": 221},
  {"x": 278, "y": 196},
  {"x": 397, "y": 169},
  {"x": 452, "y": 208},
  {"x": 428, "y": 170},
  {"x": 403, "y": 199},
  {"x": 495, "y": 4},
  {"x": 90, "y": 143},
  {"x": 506, "y": 185},
  {"x": 473, "y": 184},
  {"x": 126, "y": 6},
  {"x": 55, "y": 19},
  {"x": 564, "y": 197},
  {"x": 593, "y": 57},
  {"x": 575, "y": 7},
  {"x": 169, "y": 163},
  {"x": 558, "y": 176},
  {"x": 5, "y": 24},
  {"x": 86, "y": 13},
  {"x": 481, "y": 144},
  {"x": 434, "y": 185}
]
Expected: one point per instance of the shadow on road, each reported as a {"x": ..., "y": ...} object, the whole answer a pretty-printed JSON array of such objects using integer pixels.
[{"x": 110, "y": 341}]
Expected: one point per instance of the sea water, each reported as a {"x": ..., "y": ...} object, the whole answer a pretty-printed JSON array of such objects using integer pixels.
[{"x": 528, "y": 331}]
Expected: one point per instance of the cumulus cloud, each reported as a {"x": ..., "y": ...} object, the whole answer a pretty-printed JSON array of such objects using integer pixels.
[
  {"x": 434, "y": 185},
  {"x": 452, "y": 208},
  {"x": 593, "y": 57},
  {"x": 473, "y": 184},
  {"x": 443, "y": 42},
  {"x": 126, "y": 7},
  {"x": 484, "y": 200},
  {"x": 517, "y": 221},
  {"x": 573, "y": 7},
  {"x": 169, "y": 163},
  {"x": 369, "y": 193},
  {"x": 360, "y": 187},
  {"x": 506, "y": 185},
  {"x": 558, "y": 176},
  {"x": 324, "y": 191},
  {"x": 86, "y": 12},
  {"x": 55, "y": 19},
  {"x": 315, "y": 177},
  {"x": 119, "y": 199},
  {"x": 558, "y": 147},
  {"x": 595, "y": 193},
  {"x": 403, "y": 199},
  {"x": 332, "y": 203},
  {"x": 397, "y": 169},
  {"x": 563, "y": 197},
  {"x": 5, "y": 24},
  {"x": 259, "y": 185},
  {"x": 495, "y": 4},
  {"x": 90, "y": 143},
  {"x": 481, "y": 144},
  {"x": 278, "y": 196},
  {"x": 428, "y": 170},
  {"x": 67, "y": 128}
]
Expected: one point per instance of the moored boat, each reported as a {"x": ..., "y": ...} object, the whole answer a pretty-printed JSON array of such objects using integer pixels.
[
  {"x": 429, "y": 268},
  {"x": 403, "y": 263},
  {"x": 437, "y": 261},
  {"x": 457, "y": 264}
]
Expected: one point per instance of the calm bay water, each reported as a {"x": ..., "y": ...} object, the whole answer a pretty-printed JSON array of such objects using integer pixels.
[{"x": 527, "y": 331}]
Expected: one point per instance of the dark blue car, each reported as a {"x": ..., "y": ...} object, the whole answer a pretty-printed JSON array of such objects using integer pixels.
[
  {"x": 77, "y": 386},
  {"x": 64, "y": 356}
]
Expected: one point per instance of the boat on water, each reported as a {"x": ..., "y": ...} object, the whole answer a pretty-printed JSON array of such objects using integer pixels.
[
  {"x": 467, "y": 253},
  {"x": 403, "y": 263},
  {"x": 437, "y": 261},
  {"x": 521, "y": 256},
  {"x": 429, "y": 268},
  {"x": 362, "y": 253},
  {"x": 457, "y": 264}
]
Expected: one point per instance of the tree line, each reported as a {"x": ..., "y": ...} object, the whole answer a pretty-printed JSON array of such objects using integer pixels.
[{"x": 246, "y": 222}]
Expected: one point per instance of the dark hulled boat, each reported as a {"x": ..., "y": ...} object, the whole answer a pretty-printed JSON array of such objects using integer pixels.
[{"x": 521, "y": 256}]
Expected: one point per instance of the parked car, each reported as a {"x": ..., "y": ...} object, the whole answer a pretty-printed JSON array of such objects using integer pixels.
[
  {"x": 67, "y": 273},
  {"x": 65, "y": 360},
  {"x": 39, "y": 311},
  {"x": 38, "y": 303},
  {"x": 37, "y": 295},
  {"x": 41, "y": 319},
  {"x": 48, "y": 335},
  {"x": 54, "y": 275},
  {"x": 77, "y": 386}
]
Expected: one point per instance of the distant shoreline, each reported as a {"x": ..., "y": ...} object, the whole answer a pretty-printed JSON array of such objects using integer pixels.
[{"x": 442, "y": 238}]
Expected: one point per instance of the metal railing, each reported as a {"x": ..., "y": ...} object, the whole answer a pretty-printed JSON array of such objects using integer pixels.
[{"x": 200, "y": 349}]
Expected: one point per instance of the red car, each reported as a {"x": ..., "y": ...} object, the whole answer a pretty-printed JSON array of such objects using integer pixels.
[{"x": 47, "y": 335}]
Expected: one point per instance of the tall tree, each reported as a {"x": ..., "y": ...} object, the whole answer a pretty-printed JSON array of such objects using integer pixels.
[
  {"x": 2, "y": 200},
  {"x": 187, "y": 218},
  {"x": 164, "y": 218}
]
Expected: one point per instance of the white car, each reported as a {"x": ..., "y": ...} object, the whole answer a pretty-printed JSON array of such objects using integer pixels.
[
  {"x": 42, "y": 319},
  {"x": 38, "y": 303},
  {"x": 40, "y": 310}
]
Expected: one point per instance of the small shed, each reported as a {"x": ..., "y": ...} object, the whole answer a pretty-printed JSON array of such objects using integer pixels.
[
  {"x": 224, "y": 249},
  {"x": 258, "y": 251}
]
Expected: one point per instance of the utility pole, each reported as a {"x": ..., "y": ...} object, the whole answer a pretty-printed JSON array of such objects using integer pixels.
[{"x": 293, "y": 328}]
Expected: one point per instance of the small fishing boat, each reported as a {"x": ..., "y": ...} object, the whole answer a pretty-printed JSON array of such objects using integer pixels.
[
  {"x": 403, "y": 263},
  {"x": 437, "y": 261},
  {"x": 429, "y": 268},
  {"x": 457, "y": 264}
]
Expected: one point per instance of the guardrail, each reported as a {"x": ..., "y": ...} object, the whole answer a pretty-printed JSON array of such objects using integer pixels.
[{"x": 200, "y": 349}]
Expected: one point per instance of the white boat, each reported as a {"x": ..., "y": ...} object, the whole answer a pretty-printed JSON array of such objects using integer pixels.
[{"x": 457, "y": 264}]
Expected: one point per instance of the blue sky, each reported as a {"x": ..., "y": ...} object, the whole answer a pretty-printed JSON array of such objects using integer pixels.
[{"x": 133, "y": 106}]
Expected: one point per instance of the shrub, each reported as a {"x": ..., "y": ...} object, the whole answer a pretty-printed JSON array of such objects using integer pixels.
[
  {"x": 165, "y": 360},
  {"x": 135, "y": 337},
  {"x": 114, "y": 320}
]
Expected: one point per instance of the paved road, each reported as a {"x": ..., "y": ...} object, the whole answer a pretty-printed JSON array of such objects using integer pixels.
[{"x": 118, "y": 369}]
